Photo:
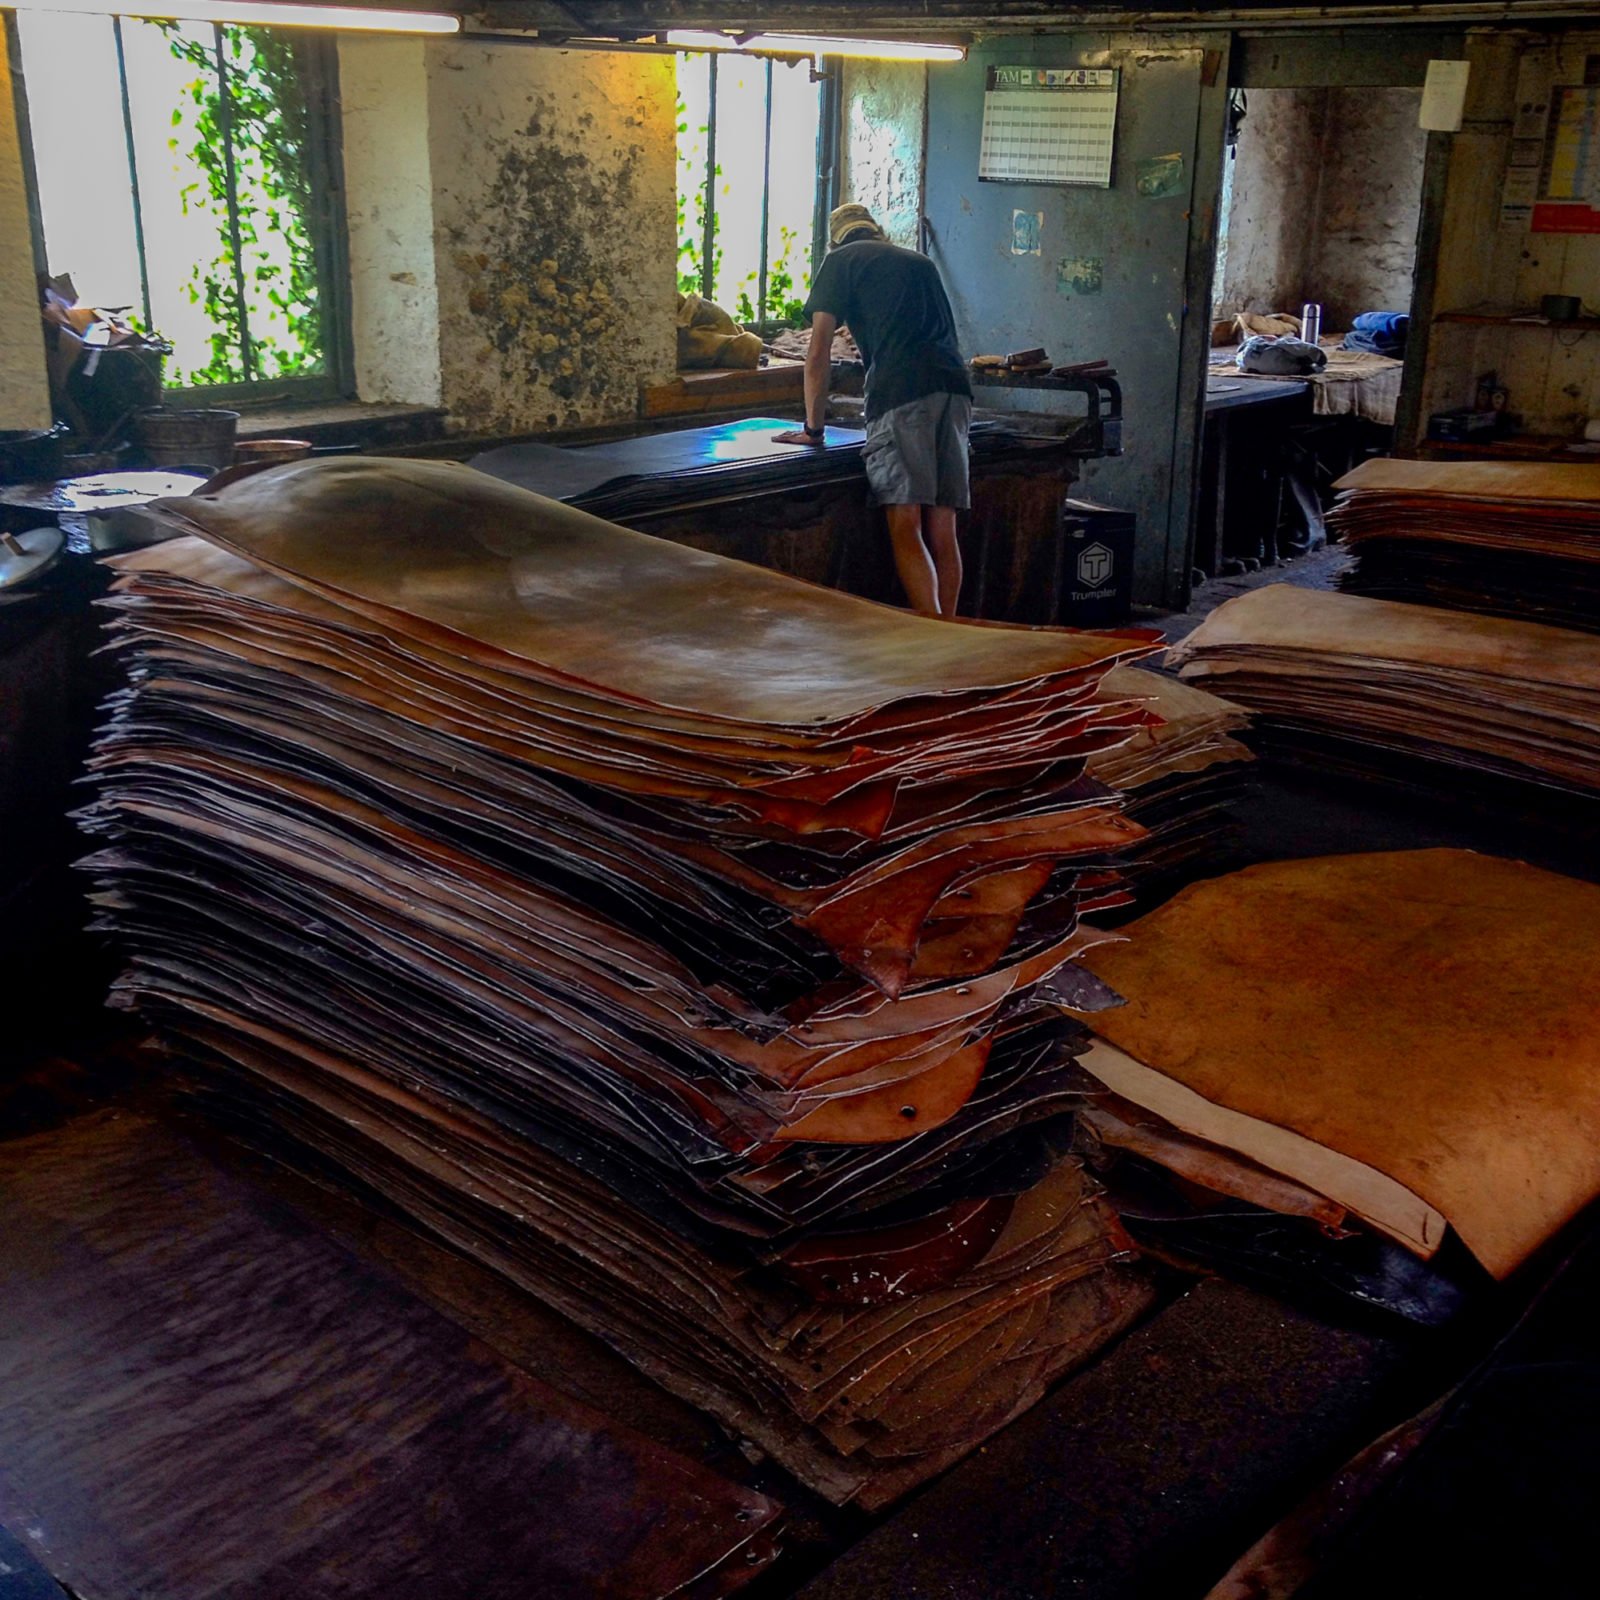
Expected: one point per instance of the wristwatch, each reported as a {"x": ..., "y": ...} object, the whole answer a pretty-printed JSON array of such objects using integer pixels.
[{"x": 813, "y": 433}]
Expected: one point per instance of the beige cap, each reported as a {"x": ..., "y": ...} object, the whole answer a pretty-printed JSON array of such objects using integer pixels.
[{"x": 847, "y": 219}]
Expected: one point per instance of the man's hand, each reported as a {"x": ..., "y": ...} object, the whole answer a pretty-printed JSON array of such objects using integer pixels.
[{"x": 800, "y": 436}]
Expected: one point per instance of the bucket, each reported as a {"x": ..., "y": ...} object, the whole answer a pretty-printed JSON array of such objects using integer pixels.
[
  {"x": 171, "y": 438},
  {"x": 30, "y": 455},
  {"x": 269, "y": 452}
]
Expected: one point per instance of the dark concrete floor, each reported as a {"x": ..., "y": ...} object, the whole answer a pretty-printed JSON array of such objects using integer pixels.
[{"x": 1319, "y": 569}]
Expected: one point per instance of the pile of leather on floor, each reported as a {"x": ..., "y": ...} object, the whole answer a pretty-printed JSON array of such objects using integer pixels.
[
  {"x": 1506, "y": 538},
  {"x": 686, "y": 942},
  {"x": 1181, "y": 775},
  {"x": 1371, "y": 685},
  {"x": 1349, "y": 1050}
]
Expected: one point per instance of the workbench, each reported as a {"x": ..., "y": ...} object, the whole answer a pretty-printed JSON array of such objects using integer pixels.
[
  {"x": 1242, "y": 468},
  {"x": 809, "y": 513}
]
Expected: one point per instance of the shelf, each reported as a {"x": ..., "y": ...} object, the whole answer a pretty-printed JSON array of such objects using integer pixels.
[
  {"x": 1518, "y": 447},
  {"x": 1526, "y": 319}
]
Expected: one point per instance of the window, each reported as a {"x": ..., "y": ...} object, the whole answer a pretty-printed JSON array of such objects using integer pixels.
[
  {"x": 749, "y": 151},
  {"x": 183, "y": 170}
]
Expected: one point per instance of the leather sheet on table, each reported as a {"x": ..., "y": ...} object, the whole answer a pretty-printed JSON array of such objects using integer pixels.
[
  {"x": 203, "y": 1395},
  {"x": 1429, "y": 1014},
  {"x": 748, "y": 448}
]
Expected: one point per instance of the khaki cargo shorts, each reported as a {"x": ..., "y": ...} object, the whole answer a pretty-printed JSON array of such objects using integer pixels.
[{"x": 916, "y": 454}]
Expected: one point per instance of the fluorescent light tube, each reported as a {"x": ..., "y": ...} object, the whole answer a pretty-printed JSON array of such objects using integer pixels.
[
  {"x": 815, "y": 44},
  {"x": 243, "y": 13}
]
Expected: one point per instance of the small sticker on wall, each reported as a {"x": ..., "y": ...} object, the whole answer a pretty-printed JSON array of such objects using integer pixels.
[
  {"x": 1080, "y": 274},
  {"x": 1156, "y": 177},
  {"x": 1026, "y": 229}
]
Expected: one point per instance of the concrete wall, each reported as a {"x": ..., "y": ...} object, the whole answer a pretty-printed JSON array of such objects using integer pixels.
[
  {"x": 512, "y": 229},
  {"x": 1368, "y": 203},
  {"x": 1272, "y": 216},
  {"x": 1118, "y": 268},
  {"x": 1553, "y": 377},
  {"x": 1327, "y": 185},
  {"x": 885, "y": 103},
  {"x": 394, "y": 290},
  {"x": 24, "y": 388}
]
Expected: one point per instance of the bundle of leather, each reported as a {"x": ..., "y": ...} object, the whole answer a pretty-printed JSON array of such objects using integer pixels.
[
  {"x": 1505, "y": 538},
  {"x": 1308, "y": 1040},
  {"x": 794, "y": 344},
  {"x": 1032, "y": 361},
  {"x": 709, "y": 337},
  {"x": 687, "y": 942},
  {"x": 1374, "y": 680},
  {"x": 1287, "y": 356},
  {"x": 1181, "y": 774},
  {"x": 1266, "y": 324}
]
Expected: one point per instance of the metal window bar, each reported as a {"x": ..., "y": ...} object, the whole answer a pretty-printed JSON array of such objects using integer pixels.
[
  {"x": 133, "y": 172},
  {"x": 230, "y": 174},
  {"x": 766, "y": 205},
  {"x": 829, "y": 159},
  {"x": 708, "y": 211}
]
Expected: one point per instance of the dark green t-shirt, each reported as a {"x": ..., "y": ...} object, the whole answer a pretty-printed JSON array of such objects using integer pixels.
[{"x": 898, "y": 313}]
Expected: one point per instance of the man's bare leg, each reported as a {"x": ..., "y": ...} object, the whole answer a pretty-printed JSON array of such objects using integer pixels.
[
  {"x": 939, "y": 524},
  {"x": 911, "y": 559}
]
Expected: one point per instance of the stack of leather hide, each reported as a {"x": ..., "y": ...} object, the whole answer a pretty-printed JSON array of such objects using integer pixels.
[
  {"x": 1305, "y": 1046},
  {"x": 1180, "y": 775},
  {"x": 1367, "y": 684},
  {"x": 686, "y": 942},
  {"x": 1506, "y": 538}
]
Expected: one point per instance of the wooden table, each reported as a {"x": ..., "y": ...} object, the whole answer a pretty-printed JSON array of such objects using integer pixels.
[{"x": 1241, "y": 468}]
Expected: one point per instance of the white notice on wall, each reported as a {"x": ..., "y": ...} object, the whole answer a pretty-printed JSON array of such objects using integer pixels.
[
  {"x": 1049, "y": 125},
  {"x": 1517, "y": 196},
  {"x": 1444, "y": 96}
]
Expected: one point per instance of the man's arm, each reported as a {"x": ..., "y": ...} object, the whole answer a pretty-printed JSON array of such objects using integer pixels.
[
  {"x": 819, "y": 370},
  {"x": 819, "y": 367}
]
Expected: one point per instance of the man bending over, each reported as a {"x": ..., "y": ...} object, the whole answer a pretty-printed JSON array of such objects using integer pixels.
[{"x": 919, "y": 402}]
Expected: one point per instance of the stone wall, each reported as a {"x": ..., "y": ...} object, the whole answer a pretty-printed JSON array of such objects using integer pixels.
[
  {"x": 1327, "y": 186},
  {"x": 555, "y": 232},
  {"x": 884, "y": 106},
  {"x": 512, "y": 229},
  {"x": 24, "y": 389}
]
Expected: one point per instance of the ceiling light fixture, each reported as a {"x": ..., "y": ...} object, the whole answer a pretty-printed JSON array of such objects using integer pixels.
[
  {"x": 241, "y": 13},
  {"x": 813, "y": 44}
]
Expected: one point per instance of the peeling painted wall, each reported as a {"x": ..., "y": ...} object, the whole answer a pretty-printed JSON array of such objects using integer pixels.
[
  {"x": 884, "y": 106},
  {"x": 1327, "y": 184},
  {"x": 394, "y": 293},
  {"x": 555, "y": 232},
  {"x": 24, "y": 389}
]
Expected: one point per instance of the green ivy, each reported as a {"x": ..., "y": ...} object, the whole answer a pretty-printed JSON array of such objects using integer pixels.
[
  {"x": 693, "y": 186},
  {"x": 262, "y": 300}
]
